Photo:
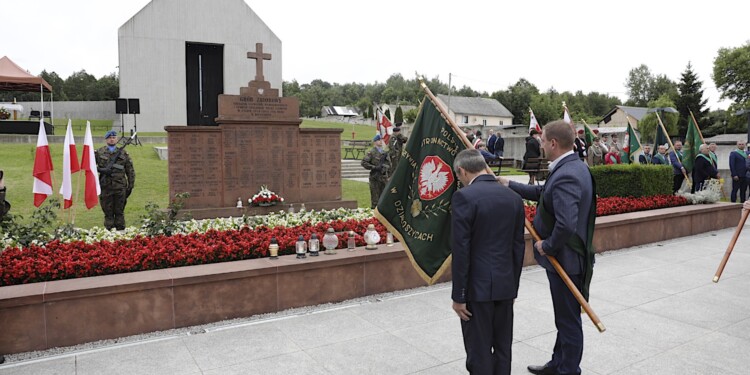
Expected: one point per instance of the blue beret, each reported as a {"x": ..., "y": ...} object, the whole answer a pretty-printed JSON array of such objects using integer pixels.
[
  {"x": 376, "y": 138},
  {"x": 110, "y": 133}
]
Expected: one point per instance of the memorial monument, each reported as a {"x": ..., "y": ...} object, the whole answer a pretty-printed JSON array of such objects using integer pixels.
[{"x": 258, "y": 142}]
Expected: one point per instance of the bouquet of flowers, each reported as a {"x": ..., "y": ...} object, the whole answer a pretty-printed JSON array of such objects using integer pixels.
[
  {"x": 265, "y": 197},
  {"x": 4, "y": 114}
]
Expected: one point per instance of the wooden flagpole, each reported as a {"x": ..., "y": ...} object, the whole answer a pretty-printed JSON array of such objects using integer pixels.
[
  {"x": 560, "y": 271},
  {"x": 697, "y": 127},
  {"x": 727, "y": 253},
  {"x": 689, "y": 182}
]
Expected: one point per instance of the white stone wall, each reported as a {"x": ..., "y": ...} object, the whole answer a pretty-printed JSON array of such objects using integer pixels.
[{"x": 152, "y": 53}]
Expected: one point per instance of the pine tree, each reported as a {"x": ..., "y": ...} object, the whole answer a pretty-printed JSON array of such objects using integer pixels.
[
  {"x": 690, "y": 99},
  {"x": 399, "y": 116}
]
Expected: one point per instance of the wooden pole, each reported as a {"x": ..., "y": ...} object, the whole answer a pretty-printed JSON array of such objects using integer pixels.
[
  {"x": 731, "y": 245},
  {"x": 558, "y": 268}
]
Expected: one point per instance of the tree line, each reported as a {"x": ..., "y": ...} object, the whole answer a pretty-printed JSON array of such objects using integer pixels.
[{"x": 644, "y": 89}]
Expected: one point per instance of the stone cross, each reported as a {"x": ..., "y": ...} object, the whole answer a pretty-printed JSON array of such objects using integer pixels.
[{"x": 259, "y": 56}]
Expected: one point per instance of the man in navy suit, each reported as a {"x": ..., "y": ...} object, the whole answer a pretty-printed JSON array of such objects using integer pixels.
[
  {"x": 738, "y": 170},
  {"x": 487, "y": 224},
  {"x": 565, "y": 221}
]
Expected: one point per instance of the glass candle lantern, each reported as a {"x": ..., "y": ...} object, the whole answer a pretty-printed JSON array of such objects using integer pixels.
[
  {"x": 314, "y": 245},
  {"x": 389, "y": 239},
  {"x": 372, "y": 237},
  {"x": 291, "y": 208},
  {"x": 301, "y": 247},
  {"x": 350, "y": 241},
  {"x": 239, "y": 202},
  {"x": 273, "y": 248},
  {"x": 330, "y": 242}
]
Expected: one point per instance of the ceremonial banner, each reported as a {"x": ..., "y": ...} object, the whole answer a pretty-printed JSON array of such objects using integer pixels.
[
  {"x": 660, "y": 140},
  {"x": 385, "y": 128},
  {"x": 633, "y": 145},
  {"x": 416, "y": 203},
  {"x": 533, "y": 123},
  {"x": 691, "y": 148}
]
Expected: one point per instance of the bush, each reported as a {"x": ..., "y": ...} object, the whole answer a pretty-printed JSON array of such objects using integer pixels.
[{"x": 632, "y": 180}]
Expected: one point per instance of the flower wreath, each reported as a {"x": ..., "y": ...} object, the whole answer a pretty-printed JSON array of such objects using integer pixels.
[{"x": 264, "y": 197}]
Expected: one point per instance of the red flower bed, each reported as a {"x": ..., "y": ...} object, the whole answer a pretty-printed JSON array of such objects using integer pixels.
[
  {"x": 58, "y": 261},
  {"x": 621, "y": 205}
]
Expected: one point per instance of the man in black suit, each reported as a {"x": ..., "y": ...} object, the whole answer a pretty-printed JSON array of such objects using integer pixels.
[
  {"x": 487, "y": 224},
  {"x": 703, "y": 169},
  {"x": 565, "y": 221},
  {"x": 645, "y": 158}
]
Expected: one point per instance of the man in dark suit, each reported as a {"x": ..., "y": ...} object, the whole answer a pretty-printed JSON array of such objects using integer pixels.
[
  {"x": 703, "y": 169},
  {"x": 487, "y": 224},
  {"x": 645, "y": 158},
  {"x": 565, "y": 221},
  {"x": 738, "y": 170},
  {"x": 533, "y": 150}
]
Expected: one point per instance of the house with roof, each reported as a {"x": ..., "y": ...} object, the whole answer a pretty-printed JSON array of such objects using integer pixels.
[
  {"x": 616, "y": 120},
  {"x": 476, "y": 112}
]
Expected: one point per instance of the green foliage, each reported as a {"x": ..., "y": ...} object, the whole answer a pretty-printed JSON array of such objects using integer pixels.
[
  {"x": 644, "y": 87},
  {"x": 398, "y": 116},
  {"x": 37, "y": 230},
  {"x": 634, "y": 180},
  {"x": 411, "y": 115},
  {"x": 732, "y": 73},
  {"x": 157, "y": 221},
  {"x": 647, "y": 125},
  {"x": 690, "y": 99}
]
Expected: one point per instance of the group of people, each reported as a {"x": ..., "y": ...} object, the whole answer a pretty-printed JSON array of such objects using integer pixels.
[
  {"x": 488, "y": 250},
  {"x": 382, "y": 163}
]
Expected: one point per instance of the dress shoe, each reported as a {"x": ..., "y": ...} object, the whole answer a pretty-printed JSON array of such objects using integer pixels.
[{"x": 541, "y": 370}]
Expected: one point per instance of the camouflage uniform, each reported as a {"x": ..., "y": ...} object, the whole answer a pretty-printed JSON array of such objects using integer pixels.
[
  {"x": 378, "y": 163},
  {"x": 395, "y": 147},
  {"x": 117, "y": 184}
]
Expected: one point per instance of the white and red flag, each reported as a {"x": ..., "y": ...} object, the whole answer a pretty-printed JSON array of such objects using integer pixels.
[
  {"x": 533, "y": 123},
  {"x": 385, "y": 128},
  {"x": 42, "y": 168},
  {"x": 70, "y": 166},
  {"x": 566, "y": 115},
  {"x": 88, "y": 165}
]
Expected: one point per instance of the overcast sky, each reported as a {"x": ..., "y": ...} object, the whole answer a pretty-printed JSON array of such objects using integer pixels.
[{"x": 488, "y": 45}]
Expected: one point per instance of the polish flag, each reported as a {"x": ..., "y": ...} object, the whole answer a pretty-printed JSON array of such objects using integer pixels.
[
  {"x": 42, "y": 168},
  {"x": 566, "y": 115},
  {"x": 70, "y": 166},
  {"x": 88, "y": 164},
  {"x": 533, "y": 123},
  {"x": 385, "y": 128}
]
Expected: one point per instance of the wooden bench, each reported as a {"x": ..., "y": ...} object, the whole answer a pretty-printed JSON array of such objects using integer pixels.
[
  {"x": 354, "y": 149},
  {"x": 539, "y": 167},
  {"x": 500, "y": 163}
]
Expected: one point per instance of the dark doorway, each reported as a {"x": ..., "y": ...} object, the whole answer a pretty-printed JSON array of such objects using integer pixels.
[{"x": 204, "y": 69}]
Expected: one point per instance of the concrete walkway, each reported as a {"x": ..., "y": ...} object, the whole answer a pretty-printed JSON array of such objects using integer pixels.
[{"x": 662, "y": 313}]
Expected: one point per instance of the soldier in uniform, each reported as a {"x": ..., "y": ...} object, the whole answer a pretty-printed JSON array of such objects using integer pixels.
[
  {"x": 395, "y": 146},
  {"x": 376, "y": 160},
  {"x": 117, "y": 178}
]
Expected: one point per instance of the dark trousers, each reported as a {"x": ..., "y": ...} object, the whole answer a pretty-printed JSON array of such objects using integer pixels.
[
  {"x": 677, "y": 182},
  {"x": 568, "y": 350},
  {"x": 488, "y": 337},
  {"x": 741, "y": 186},
  {"x": 113, "y": 205},
  {"x": 376, "y": 188}
]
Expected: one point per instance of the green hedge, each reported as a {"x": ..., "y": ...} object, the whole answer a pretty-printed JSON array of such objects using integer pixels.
[{"x": 632, "y": 180}]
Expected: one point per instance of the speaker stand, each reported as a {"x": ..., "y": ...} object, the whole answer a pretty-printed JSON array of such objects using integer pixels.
[{"x": 135, "y": 130}]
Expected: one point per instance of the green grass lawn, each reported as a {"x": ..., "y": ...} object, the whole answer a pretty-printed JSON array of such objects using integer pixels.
[{"x": 151, "y": 185}]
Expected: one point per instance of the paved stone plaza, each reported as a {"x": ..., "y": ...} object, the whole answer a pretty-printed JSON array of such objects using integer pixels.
[{"x": 662, "y": 313}]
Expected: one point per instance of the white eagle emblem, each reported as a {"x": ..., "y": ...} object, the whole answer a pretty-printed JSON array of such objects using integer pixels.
[{"x": 435, "y": 177}]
